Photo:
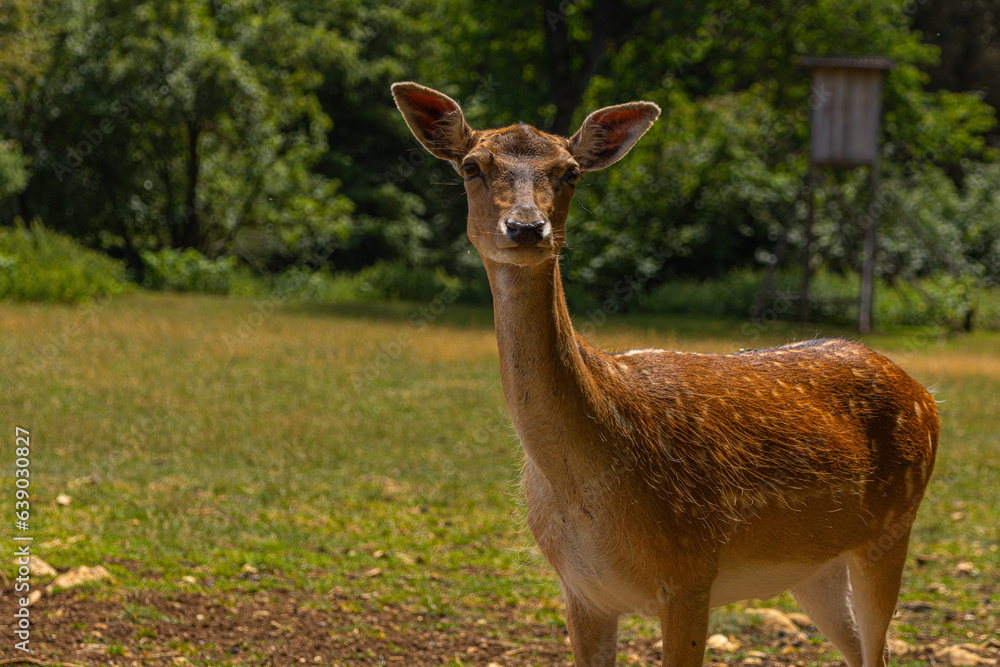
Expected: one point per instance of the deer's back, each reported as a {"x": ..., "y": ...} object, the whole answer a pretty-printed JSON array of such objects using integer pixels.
[{"x": 715, "y": 435}]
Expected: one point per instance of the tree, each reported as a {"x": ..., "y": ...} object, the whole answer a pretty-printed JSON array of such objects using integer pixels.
[
  {"x": 968, "y": 36},
  {"x": 266, "y": 130},
  {"x": 181, "y": 123},
  {"x": 718, "y": 184},
  {"x": 371, "y": 155},
  {"x": 539, "y": 59},
  {"x": 23, "y": 52},
  {"x": 575, "y": 57}
]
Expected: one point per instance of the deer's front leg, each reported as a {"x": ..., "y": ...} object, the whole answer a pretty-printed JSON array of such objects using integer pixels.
[
  {"x": 593, "y": 634},
  {"x": 684, "y": 623}
]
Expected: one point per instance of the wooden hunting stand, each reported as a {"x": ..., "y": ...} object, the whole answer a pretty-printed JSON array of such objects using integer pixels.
[{"x": 846, "y": 104}]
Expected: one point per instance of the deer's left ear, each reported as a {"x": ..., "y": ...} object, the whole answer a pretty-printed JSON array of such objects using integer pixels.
[
  {"x": 609, "y": 133},
  {"x": 435, "y": 119}
]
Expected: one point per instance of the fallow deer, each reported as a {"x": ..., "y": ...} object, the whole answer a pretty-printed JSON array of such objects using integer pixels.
[{"x": 668, "y": 483}]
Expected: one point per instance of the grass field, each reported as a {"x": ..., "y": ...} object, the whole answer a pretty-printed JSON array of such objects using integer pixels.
[{"x": 280, "y": 483}]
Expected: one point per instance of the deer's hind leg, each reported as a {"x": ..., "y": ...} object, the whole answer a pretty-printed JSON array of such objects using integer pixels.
[
  {"x": 593, "y": 633},
  {"x": 876, "y": 574},
  {"x": 826, "y": 600}
]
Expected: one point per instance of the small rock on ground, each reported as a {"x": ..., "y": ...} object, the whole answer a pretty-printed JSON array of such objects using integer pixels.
[
  {"x": 78, "y": 576},
  {"x": 959, "y": 656},
  {"x": 773, "y": 620}
]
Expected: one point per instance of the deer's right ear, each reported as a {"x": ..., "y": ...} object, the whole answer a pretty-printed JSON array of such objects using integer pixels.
[{"x": 435, "y": 119}]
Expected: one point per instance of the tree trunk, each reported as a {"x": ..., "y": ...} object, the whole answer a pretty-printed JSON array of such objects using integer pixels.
[
  {"x": 190, "y": 223},
  {"x": 561, "y": 80},
  {"x": 612, "y": 23},
  {"x": 868, "y": 268},
  {"x": 807, "y": 249}
]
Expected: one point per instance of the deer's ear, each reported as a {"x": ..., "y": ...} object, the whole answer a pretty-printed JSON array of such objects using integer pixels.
[
  {"x": 609, "y": 133},
  {"x": 435, "y": 119}
]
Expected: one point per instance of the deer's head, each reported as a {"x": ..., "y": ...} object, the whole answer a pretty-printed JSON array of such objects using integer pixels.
[{"x": 519, "y": 180}]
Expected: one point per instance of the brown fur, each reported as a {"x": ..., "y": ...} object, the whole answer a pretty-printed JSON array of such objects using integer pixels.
[{"x": 665, "y": 483}]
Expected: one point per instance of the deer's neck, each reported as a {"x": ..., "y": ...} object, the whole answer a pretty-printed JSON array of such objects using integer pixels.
[{"x": 545, "y": 367}]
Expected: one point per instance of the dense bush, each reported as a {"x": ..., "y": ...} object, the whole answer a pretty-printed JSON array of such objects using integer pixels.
[
  {"x": 395, "y": 280},
  {"x": 190, "y": 271},
  {"x": 941, "y": 301},
  {"x": 37, "y": 264},
  {"x": 320, "y": 286}
]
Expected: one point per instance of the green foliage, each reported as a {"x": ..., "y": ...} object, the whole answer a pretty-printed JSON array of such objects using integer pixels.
[
  {"x": 730, "y": 296},
  {"x": 265, "y": 131},
  {"x": 699, "y": 195},
  {"x": 717, "y": 184},
  {"x": 190, "y": 271},
  {"x": 397, "y": 281},
  {"x": 319, "y": 286},
  {"x": 943, "y": 300},
  {"x": 37, "y": 264},
  {"x": 963, "y": 32},
  {"x": 937, "y": 301},
  {"x": 178, "y": 123},
  {"x": 13, "y": 172},
  {"x": 372, "y": 156},
  {"x": 932, "y": 225},
  {"x": 22, "y": 48}
]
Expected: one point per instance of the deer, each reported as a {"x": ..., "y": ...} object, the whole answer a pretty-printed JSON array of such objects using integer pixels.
[{"x": 667, "y": 483}]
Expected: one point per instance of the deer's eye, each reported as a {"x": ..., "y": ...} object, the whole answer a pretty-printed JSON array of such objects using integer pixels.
[
  {"x": 470, "y": 170},
  {"x": 572, "y": 176}
]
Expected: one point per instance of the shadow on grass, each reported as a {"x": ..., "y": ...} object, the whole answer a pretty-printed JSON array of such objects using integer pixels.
[
  {"x": 434, "y": 312},
  {"x": 745, "y": 333}
]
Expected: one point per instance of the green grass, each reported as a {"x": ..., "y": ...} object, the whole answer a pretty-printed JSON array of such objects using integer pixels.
[{"x": 201, "y": 435}]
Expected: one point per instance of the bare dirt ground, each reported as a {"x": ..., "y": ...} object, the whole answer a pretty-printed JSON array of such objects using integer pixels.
[
  {"x": 265, "y": 628},
  {"x": 284, "y": 627}
]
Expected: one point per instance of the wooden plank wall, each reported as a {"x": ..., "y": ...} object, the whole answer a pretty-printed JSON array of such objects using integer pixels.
[{"x": 845, "y": 119}]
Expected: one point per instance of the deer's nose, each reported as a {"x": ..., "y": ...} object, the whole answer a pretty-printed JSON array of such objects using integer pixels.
[{"x": 526, "y": 233}]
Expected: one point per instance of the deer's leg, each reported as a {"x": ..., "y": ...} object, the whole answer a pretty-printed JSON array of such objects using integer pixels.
[
  {"x": 826, "y": 600},
  {"x": 684, "y": 623},
  {"x": 593, "y": 633},
  {"x": 876, "y": 574}
]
